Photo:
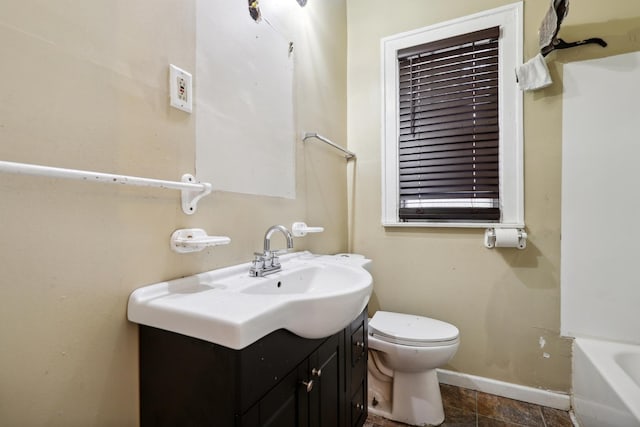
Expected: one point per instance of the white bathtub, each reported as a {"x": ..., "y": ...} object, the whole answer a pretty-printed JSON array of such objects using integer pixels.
[{"x": 606, "y": 383}]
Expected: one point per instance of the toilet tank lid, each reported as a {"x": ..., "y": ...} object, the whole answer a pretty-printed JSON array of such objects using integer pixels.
[{"x": 411, "y": 328}]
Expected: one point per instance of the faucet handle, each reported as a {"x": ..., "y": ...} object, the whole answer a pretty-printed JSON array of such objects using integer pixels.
[
  {"x": 300, "y": 229},
  {"x": 257, "y": 263}
]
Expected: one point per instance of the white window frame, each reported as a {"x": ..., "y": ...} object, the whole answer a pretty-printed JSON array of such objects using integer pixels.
[{"x": 509, "y": 19}]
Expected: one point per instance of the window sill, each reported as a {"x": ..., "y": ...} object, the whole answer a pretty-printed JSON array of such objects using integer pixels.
[{"x": 452, "y": 225}]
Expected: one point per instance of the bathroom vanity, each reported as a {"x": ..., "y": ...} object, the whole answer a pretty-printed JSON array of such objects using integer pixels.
[
  {"x": 226, "y": 348},
  {"x": 280, "y": 380}
]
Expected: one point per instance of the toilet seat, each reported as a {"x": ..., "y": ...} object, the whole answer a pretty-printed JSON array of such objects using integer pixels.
[{"x": 411, "y": 330}]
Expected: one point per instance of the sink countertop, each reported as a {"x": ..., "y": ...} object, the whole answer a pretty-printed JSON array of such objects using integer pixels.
[{"x": 310, "y": 296}]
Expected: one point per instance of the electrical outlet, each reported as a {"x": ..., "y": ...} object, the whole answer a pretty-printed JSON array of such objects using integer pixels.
[{"x": 180, "y": 89}]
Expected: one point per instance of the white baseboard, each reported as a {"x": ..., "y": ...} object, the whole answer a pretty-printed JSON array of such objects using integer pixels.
[{"x": 552, "y": 399}]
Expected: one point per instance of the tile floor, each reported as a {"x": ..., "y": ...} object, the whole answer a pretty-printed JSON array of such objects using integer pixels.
[{"x": 469, "y": 408}]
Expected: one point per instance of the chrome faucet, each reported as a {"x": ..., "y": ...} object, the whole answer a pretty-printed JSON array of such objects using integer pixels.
[{"x": 268, "y": 262}]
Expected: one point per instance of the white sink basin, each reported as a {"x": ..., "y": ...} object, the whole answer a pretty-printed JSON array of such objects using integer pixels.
[{"x": 313, "y": 296}]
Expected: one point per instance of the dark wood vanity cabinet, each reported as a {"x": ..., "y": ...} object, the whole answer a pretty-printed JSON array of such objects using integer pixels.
[{"x": 281, "y": 380}]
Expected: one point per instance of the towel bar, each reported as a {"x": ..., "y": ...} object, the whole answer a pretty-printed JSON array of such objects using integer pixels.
[
  {"x": 347, "y": 154},
  {"x": 191, "y": 190}
]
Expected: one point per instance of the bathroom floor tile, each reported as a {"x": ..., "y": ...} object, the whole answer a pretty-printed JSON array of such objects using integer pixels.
[
  {"x": 556, "y": 417},
  {"x": 372, "y": 421},
  {"x": 509, "y": 410},
  {"x": 454, "y": 417},
  {"x": 458, "y": 397},
  {"x": 490, "y": 422},
  {"x": 377, "y": 421}
]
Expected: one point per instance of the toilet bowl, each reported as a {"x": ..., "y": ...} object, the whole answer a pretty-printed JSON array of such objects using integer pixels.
[{"x": 405, "y": 351}]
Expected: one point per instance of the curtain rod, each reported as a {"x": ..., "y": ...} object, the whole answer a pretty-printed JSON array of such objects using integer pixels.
[{"x": 191, "y": 190}]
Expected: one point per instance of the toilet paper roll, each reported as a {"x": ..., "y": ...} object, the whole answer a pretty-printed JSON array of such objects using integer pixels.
[{"x": 507, "y": 238}]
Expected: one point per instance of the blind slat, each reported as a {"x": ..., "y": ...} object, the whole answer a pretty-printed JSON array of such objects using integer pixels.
[
  {"x": 467, "y": 161},
  {"x": 435, "y": 169},
  {"x": 407, "y": 141},
  {"x": 470, "y": 96},
  {"x": 471, "y": 153},
  {"x": 452, "y": 132},
  {"x": 465, "y": 87},
  {"x": 425, "y": 72},
  {"x": 488, "y": 33},
  {"x": 434, "y": 148},
  {"x": 453, "y": 192},
  {"x": 418, "y": 175},
  {"x": 472, "y": 116},
  {"x": 447, "y": 108},
  {"x": 449, "y": 214},
  {"x": 480, "y": 49},
  {"x": 468, "y": 184},
  {"x": 411, "y": 81}
]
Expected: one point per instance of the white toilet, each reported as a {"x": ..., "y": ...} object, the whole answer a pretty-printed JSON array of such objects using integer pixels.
[{"x": 404, "y": 352}]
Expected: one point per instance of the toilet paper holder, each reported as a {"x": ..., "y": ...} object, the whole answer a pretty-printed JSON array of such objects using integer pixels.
[{"x": 505, "y": 238}]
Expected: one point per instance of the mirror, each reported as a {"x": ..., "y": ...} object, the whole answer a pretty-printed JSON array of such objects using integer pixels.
[{"x": 245, "y": 131}]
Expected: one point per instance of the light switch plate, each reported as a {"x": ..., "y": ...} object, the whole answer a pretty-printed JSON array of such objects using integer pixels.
[{"x": 180, "y": 89}]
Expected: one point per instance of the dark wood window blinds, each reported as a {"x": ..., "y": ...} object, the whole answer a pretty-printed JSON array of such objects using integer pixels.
[{"x": 449, "y": 129}]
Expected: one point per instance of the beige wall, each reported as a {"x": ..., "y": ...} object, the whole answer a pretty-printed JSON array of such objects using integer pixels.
[
  {"x": 84, "y": 85},
  {"x": 505, "y": 302}
]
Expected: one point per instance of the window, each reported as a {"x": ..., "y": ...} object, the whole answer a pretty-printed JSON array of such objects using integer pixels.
[{"x": 452, "y": 133}]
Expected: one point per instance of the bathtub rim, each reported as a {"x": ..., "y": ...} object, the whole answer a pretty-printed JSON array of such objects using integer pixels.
[{"x": 601, "y": 353}]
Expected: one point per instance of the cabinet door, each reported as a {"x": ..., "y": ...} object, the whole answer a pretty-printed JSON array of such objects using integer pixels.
[
  {"x": 284, "y": 406},
  {"x": 326, "y": 369}
]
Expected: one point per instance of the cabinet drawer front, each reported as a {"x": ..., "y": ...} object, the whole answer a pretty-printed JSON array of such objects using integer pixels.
[
  {"x": 358, "y": 345},
  {"x": 358, "y": 407}
]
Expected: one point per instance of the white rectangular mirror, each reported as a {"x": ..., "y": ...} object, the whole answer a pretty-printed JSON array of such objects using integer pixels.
[{"x": 245, "y": 132}]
